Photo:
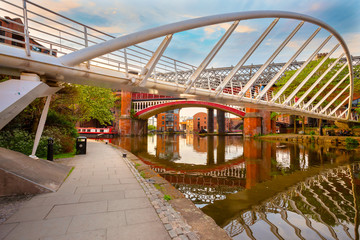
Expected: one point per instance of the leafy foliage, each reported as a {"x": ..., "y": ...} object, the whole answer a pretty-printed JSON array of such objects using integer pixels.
[
  {"x": 351, "y": 143},
  {"x": 22, "y": 141},
  {"x": 95, "y": 103},
  {"x": 274, "y": 115},
  {"x": 71, "y": 104},
  {"x": 151, "y": 127},
  {"x": 307, "y": 70}
]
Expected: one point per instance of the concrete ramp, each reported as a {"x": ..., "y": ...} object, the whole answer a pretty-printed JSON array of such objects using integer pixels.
[{"x": 20, "y": 174}]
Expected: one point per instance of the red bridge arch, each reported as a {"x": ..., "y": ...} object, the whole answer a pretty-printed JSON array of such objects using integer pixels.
[{"x": 151, "y": 111}]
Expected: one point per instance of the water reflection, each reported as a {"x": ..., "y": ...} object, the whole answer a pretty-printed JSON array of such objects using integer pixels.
[
  {"x": 260, "y": 190},
  {"x": 324, "y": 206}
]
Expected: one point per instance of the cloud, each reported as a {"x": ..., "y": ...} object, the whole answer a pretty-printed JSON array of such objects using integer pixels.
[
  {"x": 60, "y": 6},
  {"x": 352, "y": 40},
  {"x": 294, "y": 44},
  {"x": 111, "y": 29},
  {"x": 316, "y": 6},
  {"x": 225, "y": 26}
]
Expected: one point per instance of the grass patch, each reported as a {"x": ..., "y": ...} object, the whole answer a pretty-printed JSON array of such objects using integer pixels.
[
  {"x": 158, "y": 187},
  {"x": 137, "y": 165},
  {"x": 72, "y": 169},
  {"x": 65, "y": 155},
  {"x": 62, "y": 155},
  {"x": 142, "y": 174},
  {"x": 167, "y": 197}
]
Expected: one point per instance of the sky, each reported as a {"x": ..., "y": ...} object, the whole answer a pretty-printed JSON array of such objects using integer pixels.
[{"x": 121, "y": 17}]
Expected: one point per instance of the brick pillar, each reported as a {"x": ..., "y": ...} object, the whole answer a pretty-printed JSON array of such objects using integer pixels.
[
  {"x": 220, "y": 151},
  {"x": 220, "y": 116},
  {"x": 268, "y": 126},
  {"x": 210, "y": 150},
  {"x": 125, "y": 119},
  {"x": 257, "y": 157},
  {"x": 252, "y": 122},
  {"x": 210, "y": 120},
  {"x": 258, "y": 122}
]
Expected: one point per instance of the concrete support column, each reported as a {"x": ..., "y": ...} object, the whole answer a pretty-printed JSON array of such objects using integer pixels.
[
  {"x": 220, "y": 116},
  {"x": 210, "y": 120},
  {"x": 41, "y": 126}
]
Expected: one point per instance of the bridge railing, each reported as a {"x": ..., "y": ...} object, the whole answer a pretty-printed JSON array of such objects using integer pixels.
[{"x": 46, "y": 31}]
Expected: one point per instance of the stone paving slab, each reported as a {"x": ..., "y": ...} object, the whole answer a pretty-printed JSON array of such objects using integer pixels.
[{"x": 101, "y": 199}]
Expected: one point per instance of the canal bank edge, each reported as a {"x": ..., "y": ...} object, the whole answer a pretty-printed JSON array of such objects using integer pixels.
[
  {"x": 338, "y": 141},
  {"x": 179, "y": 215}
]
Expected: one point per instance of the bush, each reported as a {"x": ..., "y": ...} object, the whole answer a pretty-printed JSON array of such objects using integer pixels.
[
  {"x": 61, "y": 122},
  {"x": 312, "y": 132},
  {"x": 351, "y": 143},
  {"x": 21, "y": 141},
  {"x": 59, "y": 134}
]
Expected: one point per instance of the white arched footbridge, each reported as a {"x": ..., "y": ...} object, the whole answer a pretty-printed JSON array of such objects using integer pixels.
[{"x": 59, "y": 49}]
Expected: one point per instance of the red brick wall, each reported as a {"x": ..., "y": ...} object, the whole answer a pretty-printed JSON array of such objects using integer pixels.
[
  {"x": 161, "y": 122},
  {"x": 200, "y": 121},
  {"x": 125, "y": 103}
]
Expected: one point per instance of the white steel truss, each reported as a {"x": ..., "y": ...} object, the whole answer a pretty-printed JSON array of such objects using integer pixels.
[{"x": 76, "y": 53}]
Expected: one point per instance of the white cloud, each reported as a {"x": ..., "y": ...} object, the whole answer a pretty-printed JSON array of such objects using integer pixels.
[
  {"x": 111, "y": 29},
  {"x": 353, "y": 40},
  {"x": 224, "y": 26},
  {"x": 294, "y": 44},
  {"x": 60, "y": 6},
  {"x": 316, "y": 6}
]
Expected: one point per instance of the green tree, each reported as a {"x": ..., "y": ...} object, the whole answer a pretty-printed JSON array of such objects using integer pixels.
[
  {"x": 95, "y": 103},
  {"x": 151, "y": 127}
]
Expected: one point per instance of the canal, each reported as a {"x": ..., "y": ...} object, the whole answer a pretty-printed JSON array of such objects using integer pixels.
[{"x": 257, "y": 189}]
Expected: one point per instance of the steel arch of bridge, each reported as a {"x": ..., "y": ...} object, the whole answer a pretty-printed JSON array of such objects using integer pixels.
[
  {"x": 159, "y": 108},
  {"x": 242, "y": 93},
  {"x": 108, "y": 63}
]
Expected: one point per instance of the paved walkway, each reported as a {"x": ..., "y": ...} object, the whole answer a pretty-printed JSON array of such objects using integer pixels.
[{"x": 101, "y": 199}]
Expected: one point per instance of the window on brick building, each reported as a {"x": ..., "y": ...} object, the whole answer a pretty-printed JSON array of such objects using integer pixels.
[
  {"x": 37, "y": 49},
  {"x": 19, "y": 40},
  {"x": 2, "y": 33}
]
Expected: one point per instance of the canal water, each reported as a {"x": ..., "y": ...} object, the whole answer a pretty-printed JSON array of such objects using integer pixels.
[{"x": 257, "y": 189}]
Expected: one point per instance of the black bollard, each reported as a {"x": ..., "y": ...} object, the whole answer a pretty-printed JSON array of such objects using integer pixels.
[{"x": 50, "y": 150}]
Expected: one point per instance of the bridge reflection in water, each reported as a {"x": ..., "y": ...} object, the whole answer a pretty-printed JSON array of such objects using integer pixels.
[{"x": 260, "y": 190}]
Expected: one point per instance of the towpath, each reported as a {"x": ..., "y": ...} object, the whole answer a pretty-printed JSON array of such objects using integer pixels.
[{"x": 101, "y": 199}]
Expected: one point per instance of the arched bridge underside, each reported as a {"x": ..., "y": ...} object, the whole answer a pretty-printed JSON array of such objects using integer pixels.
[
  {"x": 151, "y": 111},
  {"x": 85, "y": 55}
]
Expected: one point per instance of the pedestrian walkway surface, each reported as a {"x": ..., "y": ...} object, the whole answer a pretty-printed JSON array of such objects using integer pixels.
[{"x": 101, "y": 199}]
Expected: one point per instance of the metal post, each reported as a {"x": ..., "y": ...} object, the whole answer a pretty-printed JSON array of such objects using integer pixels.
[
  {"x": 41, "y": 126},
  {"x": 50, "y": 150},
  {"x": 126, "y": 63},
  {"x": 51, "y": 50},
  {"x": 26, "y": 29},
  {"x": 176, "y": 74},
  {"x": 86, "y": 45}
]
